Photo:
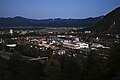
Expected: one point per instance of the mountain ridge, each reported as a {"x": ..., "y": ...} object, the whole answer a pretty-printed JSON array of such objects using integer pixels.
[{"x": 55, "y": 22}]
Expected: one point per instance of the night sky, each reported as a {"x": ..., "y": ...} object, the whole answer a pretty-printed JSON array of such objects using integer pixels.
[{"x": 43, "y": 9}]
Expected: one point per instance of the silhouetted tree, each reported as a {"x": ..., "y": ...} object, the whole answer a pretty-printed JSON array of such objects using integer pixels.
[
  {"x": 114, "y": 62},
  {"x": 52, "y": 70},
  {"x": 70, "y": 70}
]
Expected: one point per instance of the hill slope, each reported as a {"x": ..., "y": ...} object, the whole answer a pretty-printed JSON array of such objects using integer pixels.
[{"x": 110, "y": 23}]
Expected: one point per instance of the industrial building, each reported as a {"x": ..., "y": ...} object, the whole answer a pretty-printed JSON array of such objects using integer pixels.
[{"x": 75, "y": 45}]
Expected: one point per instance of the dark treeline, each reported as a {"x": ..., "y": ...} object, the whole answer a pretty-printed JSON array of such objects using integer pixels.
[{"x": 61, "y": 67}]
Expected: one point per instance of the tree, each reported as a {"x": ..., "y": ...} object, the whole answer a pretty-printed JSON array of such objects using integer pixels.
[
  {"x": 27, "y": 50},
  {"x": 15, "y": 65},
  {"x": 70, "y": 70},
  {"x": 52, "y": 70},
  {"x": 5, "y": 73},
  {"x": 114, "y": 62},
  {"x": 49, "y": 52},
  {"x": 22, "y": 69}
]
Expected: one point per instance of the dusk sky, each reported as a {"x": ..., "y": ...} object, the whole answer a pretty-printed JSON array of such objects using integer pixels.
[{"x": 43, "y": 9}]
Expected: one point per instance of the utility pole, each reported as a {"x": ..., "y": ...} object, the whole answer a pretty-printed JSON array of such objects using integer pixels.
[{"x": 3, "y": 46}]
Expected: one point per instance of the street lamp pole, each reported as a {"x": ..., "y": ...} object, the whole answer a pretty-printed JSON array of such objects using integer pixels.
[{"x": 3, "y": 46}]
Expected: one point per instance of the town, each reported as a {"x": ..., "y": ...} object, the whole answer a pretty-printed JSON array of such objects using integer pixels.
[
  {"x": 68, "y": 41},
  {"x": 59, "y": 40}
]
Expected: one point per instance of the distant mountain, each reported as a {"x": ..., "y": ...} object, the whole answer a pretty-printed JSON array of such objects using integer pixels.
[
  {"x": 57, "y": 22},
  {"x": 110, "y": 23}
]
